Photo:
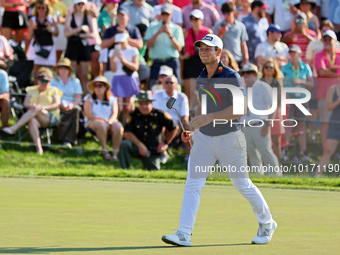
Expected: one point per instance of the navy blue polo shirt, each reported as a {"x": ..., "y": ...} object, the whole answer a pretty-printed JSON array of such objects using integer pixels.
[{"x": 219, "y": 98}]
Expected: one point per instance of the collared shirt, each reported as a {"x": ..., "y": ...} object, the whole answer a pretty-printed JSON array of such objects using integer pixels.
[
  {"x": 163, "y": 48},
  {"x": 70, "y": 89},
  {"x": 288, "y": 71},
  {"x": 181, "y": 104},
  {"x": 139, "y": 15},
  {"x": 233, "y": 37},
  {"x": 148, "y": 128},
  {"x": 265, "y": 49},
  {"x": 4, "y": 84},
  {"x": 211, "y": 15},
  {"x": 262, "y": 100},
  {"x": 218, "y": 99}
]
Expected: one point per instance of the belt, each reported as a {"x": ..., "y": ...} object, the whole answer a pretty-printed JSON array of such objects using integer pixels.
[{"x": 163, "y": 60}]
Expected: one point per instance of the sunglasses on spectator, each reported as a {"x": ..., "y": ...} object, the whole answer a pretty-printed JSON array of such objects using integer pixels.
[
  {"x": 269, "y": 67},
  {"x": 100, "y": 85},
  {"x": 62, "y": 67},
  {"x": 81, "y": 3},
  {"x": 249, "y": 72},
  {"x": 165, "y": 13},
  {"x": 327, "y": 39},
  {"x": 41, "y": 8},
  {"x": 169, "y": 82},
  {"x": 44, "y": 81},
  {"x": 194, "y": 19}
]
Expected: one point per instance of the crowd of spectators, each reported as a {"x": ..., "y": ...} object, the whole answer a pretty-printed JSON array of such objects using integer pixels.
[{"x": 126, "y": 47}]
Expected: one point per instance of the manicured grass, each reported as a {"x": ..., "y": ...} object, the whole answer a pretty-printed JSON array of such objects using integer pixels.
[{"x": 79, "y": 216}]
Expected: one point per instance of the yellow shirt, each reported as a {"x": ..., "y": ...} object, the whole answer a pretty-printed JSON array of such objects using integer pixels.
[{"x": 44, "y": 98}]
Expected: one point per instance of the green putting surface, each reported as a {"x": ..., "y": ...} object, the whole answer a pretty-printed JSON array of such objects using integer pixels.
[{"x": 79, "y": 216}]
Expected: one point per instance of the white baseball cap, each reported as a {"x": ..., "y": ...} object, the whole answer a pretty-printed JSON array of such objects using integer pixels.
[
  {"x": 165, "y": 70},
  {"x": 331, "y": 34},
  {"x": 210, "y": 40},
  {"x": 121, "y": 37},
  {"x": 80, "y": 1},
  {"x": 197, "y": 13}
]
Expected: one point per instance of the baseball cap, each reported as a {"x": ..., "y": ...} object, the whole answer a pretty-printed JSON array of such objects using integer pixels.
[
  {"x": 259, "y": 4},
  {"x": 112, "y": 1},
  {"x": 80, "y": 1},
  {"x": 274, "y": 28},
  {"x": 121, "y": 37},
  {"x": 165, "y": 70},
  {"x": 331, "y": 34},
  {"x": 210, "y": 40},
  {"x": 302, "y": 15},
  {"x": 166, "y": 8},
  {"x": 123, "y": 10},
  {"x": 249, "y": 67},
  {"x": 197, "y": 14},
  {"x": 44, "y": 77},
  {"x": 294, "y": 48}
]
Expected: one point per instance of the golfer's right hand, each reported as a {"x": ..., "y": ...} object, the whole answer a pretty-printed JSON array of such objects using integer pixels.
[
  {"x": 143, "y": 151},
  {"x": 186, "y": 137}
]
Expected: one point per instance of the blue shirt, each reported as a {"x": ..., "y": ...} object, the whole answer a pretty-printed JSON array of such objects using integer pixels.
[
  {"x": 288, "y": 72},
  {"x": 4, "y": 84},
  {"x": 70, "y": 89},
  {"x": 219, "y": 99}
]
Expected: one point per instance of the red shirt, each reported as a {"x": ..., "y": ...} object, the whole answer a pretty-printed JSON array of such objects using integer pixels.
[
  {"x": 179, "y": 3},
  {"x": 189, "y": 41},
  {"x": 301, "y": 41}
]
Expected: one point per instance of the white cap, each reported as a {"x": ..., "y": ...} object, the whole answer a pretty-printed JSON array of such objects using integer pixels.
[
  {"x": 166, "y": 70},
  {"x": 121, "y": 37},
  {"x": 331, "y": 34},
  {"x": 197, "y": 13},
  {"x": 80, "y": 1},
  {"x": 210, "y": 40}
]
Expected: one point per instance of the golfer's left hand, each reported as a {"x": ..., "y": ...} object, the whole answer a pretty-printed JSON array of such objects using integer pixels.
[{"x": 199, "y": 121}]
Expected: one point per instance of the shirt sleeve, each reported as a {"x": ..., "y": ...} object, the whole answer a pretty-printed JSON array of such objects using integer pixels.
[
  {"x": 259, "y": 50},
  {"x": 185, "y": 106},
  {"x": 78, "y": 89},
  {"x": 309, "y": 51},
  {"x": 319, "y": 63},
  {"x": 178, "y": 34}
]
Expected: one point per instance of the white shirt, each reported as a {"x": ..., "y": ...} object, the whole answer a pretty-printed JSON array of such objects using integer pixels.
[
  {"x": 128, "y": 53},
  {"x": 181, "y": 104},
  {"x": 99, "y": 109}
]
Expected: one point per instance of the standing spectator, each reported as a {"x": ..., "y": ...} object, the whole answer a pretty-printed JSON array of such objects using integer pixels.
[
  {"x": 307, "y": 6},
  {"x": 297, "y": 74},
  {"x": 272, "y": 75},
  {"x": 124, "y": 61},
  {"x": 322, "y": 9},
  {"x": 179, "y": 3},
  {"x": 300, "y": 34},
  {"x": 78, "y": 28},
  {"x": 176, "y": 16},
  {"x": 333, "y": 5},
  {"x": 211, "y": 15},
  {"x": 246, "y": 9},
  {"x": 233, "y": 34},
  {"x": 257, "y": 135},
  {"x": 256, "y": 26},
  {"x": 141, "y": 12},
  {"x": 142, "y": 134},
  {"x": 41, "y": 28},
  {"x": 68, "y": 130},
  {"x": 164, "y": 41},
  {"x": 14, "y": 19},
  {"x": 272, "y": 48},
  {"x": 192, "y": 64},
  {"x": 101, "y": 111},
  {"x": 228, "y": 60},
  {"x": 5, "y": 105},
  {"x": 327, "y": 63},
  {"x": 108, "y": 15},
  {"x": 144, "y": 69},
  {"x": 42, "y": 102}
]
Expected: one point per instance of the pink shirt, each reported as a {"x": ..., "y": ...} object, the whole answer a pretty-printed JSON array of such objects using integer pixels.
[
  {"x": 20, "y": 8},
  {"x": 5, "y": 47},
  {"x": 323, "y": 83},
  {"x": 179, "y": 3},
  {"x": 211, "y": 15},
  {"x": 189, "y": 41}
]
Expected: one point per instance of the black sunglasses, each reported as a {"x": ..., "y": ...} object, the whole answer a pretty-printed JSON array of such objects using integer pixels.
[
  {"x": 165, "y": 13},
  {"x": 62, "y": 67},
  {"x": 169, "y": 82},
  {"x": 98, "y": 85},
  {"x": 194, "y": 19},
  {"x": 269, "y": 67}
]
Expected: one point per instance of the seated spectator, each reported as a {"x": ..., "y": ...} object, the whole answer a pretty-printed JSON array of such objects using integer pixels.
[
  {"x": 5, "y": 106},
  {"x": 272, "y": 48},
  {"x": 42, "y": 26},
  {"x": 177, "y": 12},
  {"x": 142, "y": 12},
  {"x": 228, "y": 60},
  {"x": 233, "y": 34},
  {"x": 300, "y": 34},
  {"x": 68, "y": 129},
  {"x": 297, "y": 74},
  {"x": 272, "y": 75},
  {"x": 307, "y": 7},
  {"x": 42, "y": 102},
  {"x": 333, "y": 134},
  {"x": 258, "y": 134},
  {"x": 124, "y": 62},
  {"x": 101, "y": 110},
  {"x": 164, "y": 72},
  {"x": 142, "y": 134},
  {"x": 79, "y": 26},
  {"x": 181, "y": 105},
  {"x": 256, "y": 26},
  {"x": 6, "y": 52},
  {"x": 108, "y": 15},
  {"x": 211, "y": 15},
  {"x": 192, "y": 64},
  {"x": 164, "y": 41}
]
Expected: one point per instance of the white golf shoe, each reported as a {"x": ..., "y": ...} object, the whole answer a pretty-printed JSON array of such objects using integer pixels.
[
  {"x": 264, "y": 233},
  {"x": 179, "y": 238}
]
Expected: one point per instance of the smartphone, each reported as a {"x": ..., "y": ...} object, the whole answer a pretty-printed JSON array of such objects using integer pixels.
[{"x": 117, "y": 48}]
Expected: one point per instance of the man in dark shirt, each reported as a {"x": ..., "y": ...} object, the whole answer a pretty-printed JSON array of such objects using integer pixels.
[{"x": 142, "y": 134}]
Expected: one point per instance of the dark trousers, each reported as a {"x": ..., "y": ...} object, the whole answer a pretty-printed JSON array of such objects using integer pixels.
[
  {"x": 173, "y": 63},
  {"x": 128, "y": 149}
]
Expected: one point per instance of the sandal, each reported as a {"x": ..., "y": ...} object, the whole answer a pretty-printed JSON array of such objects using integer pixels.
[
  {"x": 6, "y": 132},
  {"x": 106, "y": 155},
  {"x": 114, "y": 155}
]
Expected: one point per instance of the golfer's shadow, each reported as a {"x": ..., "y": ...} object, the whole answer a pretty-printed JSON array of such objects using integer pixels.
[{"x": 47, "y": 250}]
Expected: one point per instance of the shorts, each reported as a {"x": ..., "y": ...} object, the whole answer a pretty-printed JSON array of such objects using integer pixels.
[
  {"x": 94, "y": 48},
  {"x": 53, "y": 120},
  {"x": 14, "y": 20},
  {"x": 76, "y": 51},
  {"x": 296, "y": 114},
  {"x": 324, "y": 115}
]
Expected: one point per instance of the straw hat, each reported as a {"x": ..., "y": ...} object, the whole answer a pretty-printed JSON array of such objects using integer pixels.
[
  {"x": 101, "y": 79},
  {"x": 63, "y": 62}
]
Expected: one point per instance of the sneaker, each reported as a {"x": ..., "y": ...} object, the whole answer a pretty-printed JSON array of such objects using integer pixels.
[
  {"x": 264, "y": 233},
  {"x": 179, "y": 238},
  {"x": 296, "y": 160},
  {"x": 164, "y": 158},
  {"x": 68, "y": 145},
  {"x": 304, "y": 158}
]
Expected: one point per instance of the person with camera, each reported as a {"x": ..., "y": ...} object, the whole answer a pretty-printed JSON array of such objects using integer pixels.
[{"x": 42, "y": 26}]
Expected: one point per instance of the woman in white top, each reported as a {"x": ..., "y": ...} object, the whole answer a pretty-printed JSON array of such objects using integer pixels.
[
  {"x": 101, "y": 109},
  {"x": 124, "y": 62}
]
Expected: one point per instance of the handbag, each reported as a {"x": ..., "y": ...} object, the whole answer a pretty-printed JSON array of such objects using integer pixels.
[
  {"x": 40, "y": 51},
  {"x": 127, "y": 70}
]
